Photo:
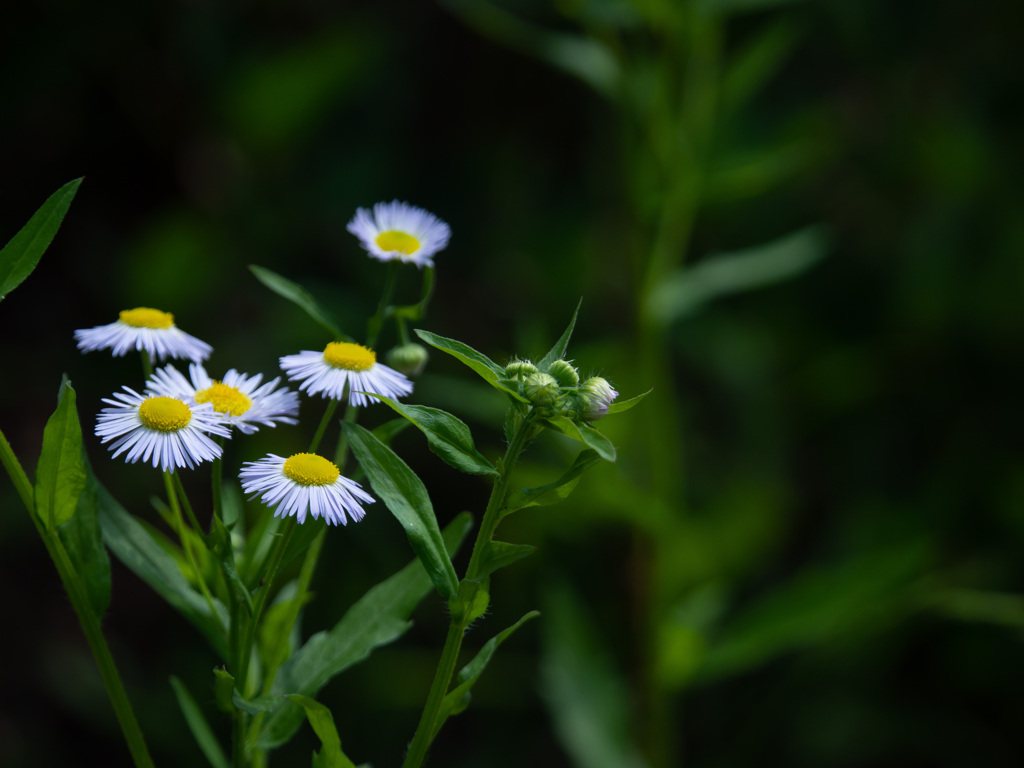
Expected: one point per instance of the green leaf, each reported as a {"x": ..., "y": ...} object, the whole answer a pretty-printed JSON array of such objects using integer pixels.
[
  {"x": 320, "y": 718},
  {"x": 585, "y": 434},
  {"x": 83, "y": 541},
  {"x": 447, "y": 436},
  {"x": 60, "y": 474},
  {"x": 299, "y": 296},
  {"x": 132, "y": 544},
  {"x": 557, "y": 352},
  {"x": 552, "y": 493},
  {"x": 406, "y": 498},
  {"x": 689, "y": 289},
  {"x": 619, "y": 406},
  {"x": 387, "y": 431},
  {"x": 377, "y": 618},
  {"x": 471, "y": 601},
  {"x": 223, "y": 690},
  {"x": 260, "y": 705},
  {"x": 499, "y": 554},
  {"x": 488, "y": 370},
  {"x": 197, "y": 724},
  {"x": 22, "y": 253},
  {"x": 457, "y": 699}
]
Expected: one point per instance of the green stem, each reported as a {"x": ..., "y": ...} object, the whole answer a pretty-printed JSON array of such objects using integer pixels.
[
  {"x": 170, "y": 479},
  {"x": 331, "y": 407},
  {"x": 373, "y": 327},
  {"x": 147, "y": 364},
  {"x": 83, "y": 610},
  {"x": 426, "y": 730}
]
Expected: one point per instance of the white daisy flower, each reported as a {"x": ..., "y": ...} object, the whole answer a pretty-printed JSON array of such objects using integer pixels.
[
  {"x": 238, "y": 398},
  {"x": 305, "y": 483},
  {"x": 341, "y": 364},
  {"x": 165, "y": 429},
  {"x": 401, "y": 231},
  {"x": 147, "y": 329}
]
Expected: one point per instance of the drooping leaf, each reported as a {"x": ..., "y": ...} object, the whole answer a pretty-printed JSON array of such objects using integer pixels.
[
  {"x": 447, "y": 436},
  {"x": 456, "y": 700},
  {"x": 60, "y": 474},
  {"x": 557, "y": 352},
  {"x": 552, "y": 493},
  {"x": 406, "y": 498},
  {"x": 299, "y": 296},
  {"x": 320, "y": 718},
  {"x": 377, "y": 618},
  {"x": 487, "y": 369},
  {"x": 201, "y": 730},
  {"x": 22, "y": 253},
  {"x": 132, "y": 544},
  {"x": 500, "y": 554},
  {"x": 687, "y": 290}
]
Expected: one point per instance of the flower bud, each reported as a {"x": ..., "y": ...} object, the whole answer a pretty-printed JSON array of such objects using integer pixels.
[
  {"x": 596, "y": 395},
  {"x": 409, "y": 359},
  {"x": 564, "y": 373},
  {"x": 520, "y": 369},
  {"x": 541, "y": 389}
]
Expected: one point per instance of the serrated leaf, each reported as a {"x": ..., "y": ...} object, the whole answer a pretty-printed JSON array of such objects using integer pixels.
[
  {"x": 557, "y": 352},
  {"x": 447, "y": 436},
  {"x": 487, "y": 369},
  {"x": 406, "y": 498},
  {"x": 619, "y": 406},
  {"x": 132, "y": 544},
  {"x": 377, "y": 618},
  {"x": 457, "y": 699},
  {"x": 322, "y": 722},
  {"x": 688, "y": 289},
  {"x": 197, "y": 724},
  {"x": 299, "y": 296},
  {"x": 500, "y": 554},
  {"x": 22, "y": 253},
  {"x": 552, "y": 493}
]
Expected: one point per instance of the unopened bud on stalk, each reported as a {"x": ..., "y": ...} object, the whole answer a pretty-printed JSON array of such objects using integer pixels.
[
  {"x": 409, "y": 359},
  {"x": 564, "y": 373},
  {"x": 520, "y": 369},
  {"x": 541, "y": 389},
  {"x": 596, "y": 394}
]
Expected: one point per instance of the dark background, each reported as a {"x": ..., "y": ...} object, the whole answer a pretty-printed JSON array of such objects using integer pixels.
[{"x": 809, "y": 550}]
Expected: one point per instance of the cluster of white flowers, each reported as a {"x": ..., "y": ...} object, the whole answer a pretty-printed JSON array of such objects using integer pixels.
[{"x": 171, "y": 422}]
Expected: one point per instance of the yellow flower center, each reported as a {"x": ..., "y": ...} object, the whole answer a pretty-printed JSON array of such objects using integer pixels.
[
  {"x": 351, "y": 357},
  {"x": 144, "y": 317},
  {"x": 310, "y": 469},
  {"x": 225, "y": 399},
  {"x": 164, "y": 414},
  {"x": 393, "y": 240}
]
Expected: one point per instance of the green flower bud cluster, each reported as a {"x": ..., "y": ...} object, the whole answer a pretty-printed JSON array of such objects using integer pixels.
[{"x": 558, "y": 391}]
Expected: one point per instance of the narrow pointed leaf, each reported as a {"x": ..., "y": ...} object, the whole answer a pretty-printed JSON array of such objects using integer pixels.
[
  {"x": 624, "y": 405},
  {"x": 377, "y": 618},
  {"x": 447, "y": 436},
  {"x": 585, "y": 434},
  {"x": 406, "y": 498},
  {"x": 132, "y": 544},
  {"x": 197, "y": 724},
  {"x": 299, "y": 296},
  {"x": 488, "y": 370},
  {"x": 22, "y": 253},
  {"x": 457, "y": 699},
  {"x": 500, "y": 554},
  {"x": 83, "y": 541},
  {"x": 552, "y": 493},
  {"x": 557, "y": 352},
  {"x": 60, "y": 474},
  {"x": 322, "y": 722}
]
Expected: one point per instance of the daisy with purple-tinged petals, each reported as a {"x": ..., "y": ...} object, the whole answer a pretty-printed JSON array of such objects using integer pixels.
[
  {"x": 164, "y": 430},
  {"x": 238, "y": 398},
  {"x": 397, "y": 230},
  {"x": 305, "y": 484},
  {"x": 343, "y": 364},
  {"x": 146, "y": 329}
]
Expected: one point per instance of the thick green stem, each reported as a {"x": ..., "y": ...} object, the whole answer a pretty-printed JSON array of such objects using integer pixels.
[{"x": 88, "y": 620}]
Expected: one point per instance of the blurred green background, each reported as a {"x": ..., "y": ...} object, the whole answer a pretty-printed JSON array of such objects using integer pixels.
[{"x": 800, "y": 222}]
